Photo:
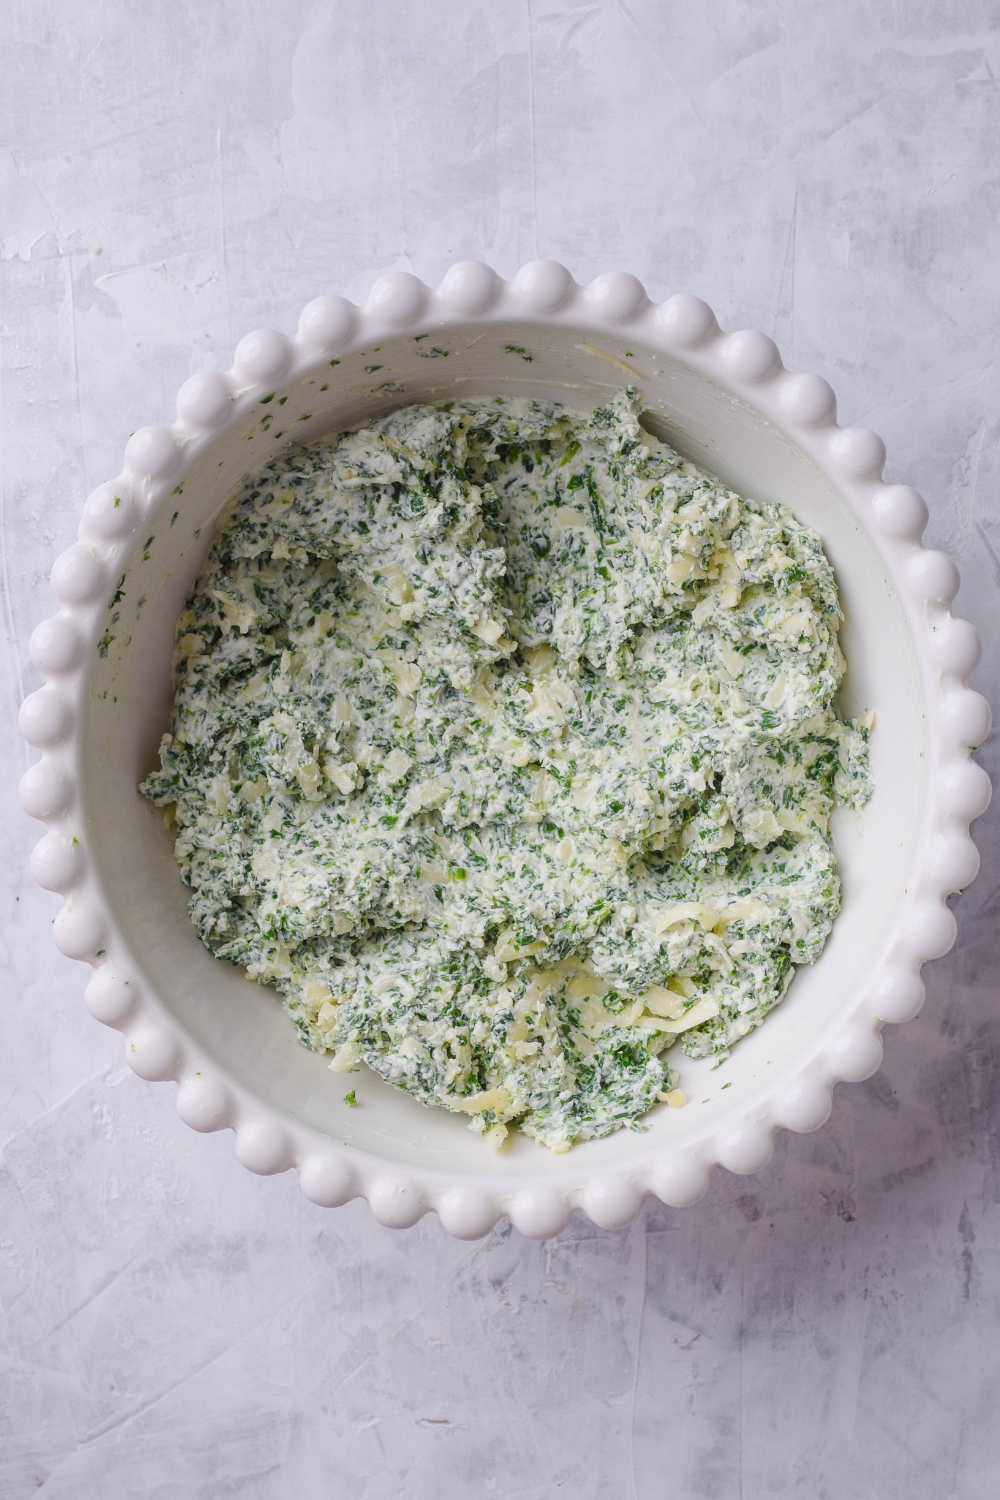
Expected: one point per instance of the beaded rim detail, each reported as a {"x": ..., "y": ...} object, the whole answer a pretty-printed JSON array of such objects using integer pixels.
[{"x": 745, "y": 363}]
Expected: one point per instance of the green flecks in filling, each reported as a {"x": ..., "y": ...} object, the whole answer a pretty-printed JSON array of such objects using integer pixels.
[{"x": 504, "y": 748}]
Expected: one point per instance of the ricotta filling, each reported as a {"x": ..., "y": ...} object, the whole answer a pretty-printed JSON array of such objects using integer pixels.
[{"x": 504, "y": 747}]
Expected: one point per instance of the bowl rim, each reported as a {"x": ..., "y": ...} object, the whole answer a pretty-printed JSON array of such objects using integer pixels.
[{"x": 747, "y": 365}]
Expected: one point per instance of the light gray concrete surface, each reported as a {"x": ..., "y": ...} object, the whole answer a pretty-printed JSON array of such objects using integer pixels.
[{"x": 173, "y": 175}]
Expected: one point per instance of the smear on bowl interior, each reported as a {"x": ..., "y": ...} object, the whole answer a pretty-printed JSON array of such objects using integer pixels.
[{"x": 504, "y": 747}]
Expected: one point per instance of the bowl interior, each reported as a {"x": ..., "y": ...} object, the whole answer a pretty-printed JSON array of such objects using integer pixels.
[{"x": 238, "y": 1026}]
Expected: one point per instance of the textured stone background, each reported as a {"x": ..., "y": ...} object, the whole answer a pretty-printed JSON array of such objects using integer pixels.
[{"x": 174, "y": 174}]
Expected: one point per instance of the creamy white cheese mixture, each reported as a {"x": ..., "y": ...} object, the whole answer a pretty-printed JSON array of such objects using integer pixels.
[{"x": 504, "y": 747}]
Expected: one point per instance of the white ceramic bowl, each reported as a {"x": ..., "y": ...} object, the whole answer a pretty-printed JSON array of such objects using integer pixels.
[{"x": 725, "y": 401}]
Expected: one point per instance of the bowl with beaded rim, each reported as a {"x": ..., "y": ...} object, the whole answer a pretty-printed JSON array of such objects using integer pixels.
[{"x": 724, "y": 401}]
